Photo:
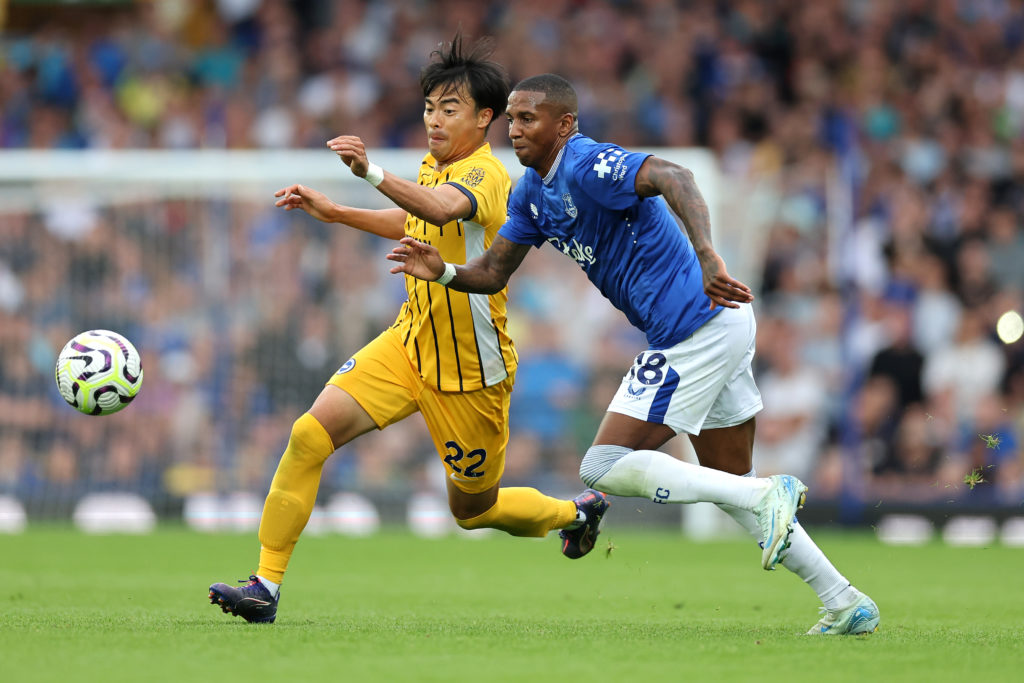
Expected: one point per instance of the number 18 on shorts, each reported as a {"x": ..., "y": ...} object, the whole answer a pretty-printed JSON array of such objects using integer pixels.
[{"x": 703, "y": 382}]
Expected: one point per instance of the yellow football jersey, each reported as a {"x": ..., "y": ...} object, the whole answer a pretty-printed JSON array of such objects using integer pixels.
[{"x": 459, "y": 341}]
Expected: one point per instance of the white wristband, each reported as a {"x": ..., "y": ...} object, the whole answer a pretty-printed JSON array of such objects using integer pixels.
[
  {"x": 374, "y": 174},
  {"x": 447, "y": 275}
]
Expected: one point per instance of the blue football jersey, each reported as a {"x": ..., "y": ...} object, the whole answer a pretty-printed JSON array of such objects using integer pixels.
[{"x": 630, "y": 247}]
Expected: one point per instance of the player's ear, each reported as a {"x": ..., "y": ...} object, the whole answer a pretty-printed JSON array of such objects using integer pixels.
[
  {"x": 566, "y": 124},
  {"x": 483, "y": 117}
]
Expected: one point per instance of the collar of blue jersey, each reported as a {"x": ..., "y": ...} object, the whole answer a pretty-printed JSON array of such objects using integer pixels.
[{"x": 558, "y": 160}]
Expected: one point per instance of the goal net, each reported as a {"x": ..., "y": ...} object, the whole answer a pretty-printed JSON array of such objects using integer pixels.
[{"x": 241, "y": 312}]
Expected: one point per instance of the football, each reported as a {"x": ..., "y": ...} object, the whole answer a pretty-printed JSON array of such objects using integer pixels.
[{"x": 99, "y": 372}]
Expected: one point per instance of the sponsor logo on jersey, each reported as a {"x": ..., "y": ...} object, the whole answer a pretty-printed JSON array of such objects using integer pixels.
[
  {"x": 570, "y": 208},
  {"x": 620, "y": 169},
  {"x": 582, "y": 254},
  {"x": 634, "y": 391},
  {"x": 533, "y": 210},
  {"x": 473, "y": 177},
  {"x": 349, "y": 364},
  {"x": 604, "y": 163}
]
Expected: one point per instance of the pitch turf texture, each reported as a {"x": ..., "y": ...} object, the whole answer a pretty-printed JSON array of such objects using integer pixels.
[{"x": 397, "y": 608}]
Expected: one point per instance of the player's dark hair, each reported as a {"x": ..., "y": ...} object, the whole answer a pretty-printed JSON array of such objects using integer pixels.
[
  {"x": 486, "y": 80},
  {"x": 557, "y": 91}
]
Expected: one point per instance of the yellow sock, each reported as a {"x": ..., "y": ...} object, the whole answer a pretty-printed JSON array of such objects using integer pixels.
[
  {"x": 292, "y": 495},
  {"x": 523, "y": 511}
]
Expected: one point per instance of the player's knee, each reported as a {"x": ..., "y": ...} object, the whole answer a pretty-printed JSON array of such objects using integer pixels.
[
  {"x": 598, "y": 460},
  {"x": 309, "y": 440}
]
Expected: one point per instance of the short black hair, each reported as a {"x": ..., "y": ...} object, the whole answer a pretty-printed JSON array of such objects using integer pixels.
[
  {"x": 487, "y": 80},
  {"x": 557, "y": 91}
]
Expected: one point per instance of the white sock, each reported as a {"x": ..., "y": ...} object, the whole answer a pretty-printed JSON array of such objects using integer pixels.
[
  {"x": 805, "y": 559},
  {"x": 664, "y": 479},
  {"x": 270, "y": 585}
]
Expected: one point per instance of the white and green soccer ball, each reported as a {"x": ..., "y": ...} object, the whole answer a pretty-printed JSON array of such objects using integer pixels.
[{"x": 99, "y": 372}]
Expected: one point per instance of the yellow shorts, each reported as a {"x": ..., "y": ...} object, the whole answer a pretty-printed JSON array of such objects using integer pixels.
[{"x": 469, "y": 429}]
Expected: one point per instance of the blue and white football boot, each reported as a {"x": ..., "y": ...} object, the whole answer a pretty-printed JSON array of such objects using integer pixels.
[
  {"x": 775, "y": 514},
  {"x": 858, "y": 618}
]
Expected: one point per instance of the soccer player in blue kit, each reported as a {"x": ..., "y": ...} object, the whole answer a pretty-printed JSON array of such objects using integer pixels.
[{"x": 608, "y": 209}]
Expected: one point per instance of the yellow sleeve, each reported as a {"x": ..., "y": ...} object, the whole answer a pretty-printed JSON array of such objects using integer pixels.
[{"x": 486, "y": 182}]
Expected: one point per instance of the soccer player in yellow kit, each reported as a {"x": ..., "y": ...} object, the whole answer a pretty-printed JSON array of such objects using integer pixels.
[{"x": 448, "y": 355}]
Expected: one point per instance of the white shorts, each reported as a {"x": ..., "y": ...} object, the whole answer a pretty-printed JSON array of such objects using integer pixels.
[{"x": 703, "y": 382}]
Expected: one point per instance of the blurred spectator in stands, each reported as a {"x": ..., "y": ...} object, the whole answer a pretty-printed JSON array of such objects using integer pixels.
[
  {"x": 936, "y": 310},
  {"x": 899, "y": 360},
  {"x": 865, "y": 331},
  {"x": 548, "y": 384},
  {"x": 875, "y": 421},
  {"x": 58, "y": 482},
  {"x": 1006, "y": 248},
  {"x": 821, "y": 341},
  {"x": 14, "y": 459},
  {"x": 791, "y": 428},
  {"x": 911, "y": 469},
  {"x": 976, "y": 283},
  {"x": 959, "y": 376}
]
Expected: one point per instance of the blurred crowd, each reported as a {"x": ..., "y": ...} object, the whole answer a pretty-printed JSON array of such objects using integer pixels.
[{"x": 888, "y": 139}]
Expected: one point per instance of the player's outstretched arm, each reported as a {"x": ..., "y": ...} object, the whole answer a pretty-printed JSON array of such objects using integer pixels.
[
  {"x": 485, "y": 274},
  {"x": 386, "y": 223},
  {"x": 675, "y": 183},
  {"x": 435, "y": 205}
]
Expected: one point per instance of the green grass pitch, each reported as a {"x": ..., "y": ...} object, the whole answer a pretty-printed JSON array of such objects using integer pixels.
[{"x": 397, "y": 608}]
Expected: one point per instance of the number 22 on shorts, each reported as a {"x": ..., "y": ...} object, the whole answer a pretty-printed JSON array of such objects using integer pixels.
[{"x": 462, "y": 463}]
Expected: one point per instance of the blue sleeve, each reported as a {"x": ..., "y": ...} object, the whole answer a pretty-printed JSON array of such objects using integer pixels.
[
  {"x": 519, "y": 226},
  {"x": 607, "y": 173}
]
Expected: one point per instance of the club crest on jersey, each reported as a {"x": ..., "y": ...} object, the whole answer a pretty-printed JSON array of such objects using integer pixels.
[
  {"x": 533, "y": 210},
  {"x": 570, "y": 208},
  {"x": 473, "y": 177},
  {"x": 349, "y": 364}
]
